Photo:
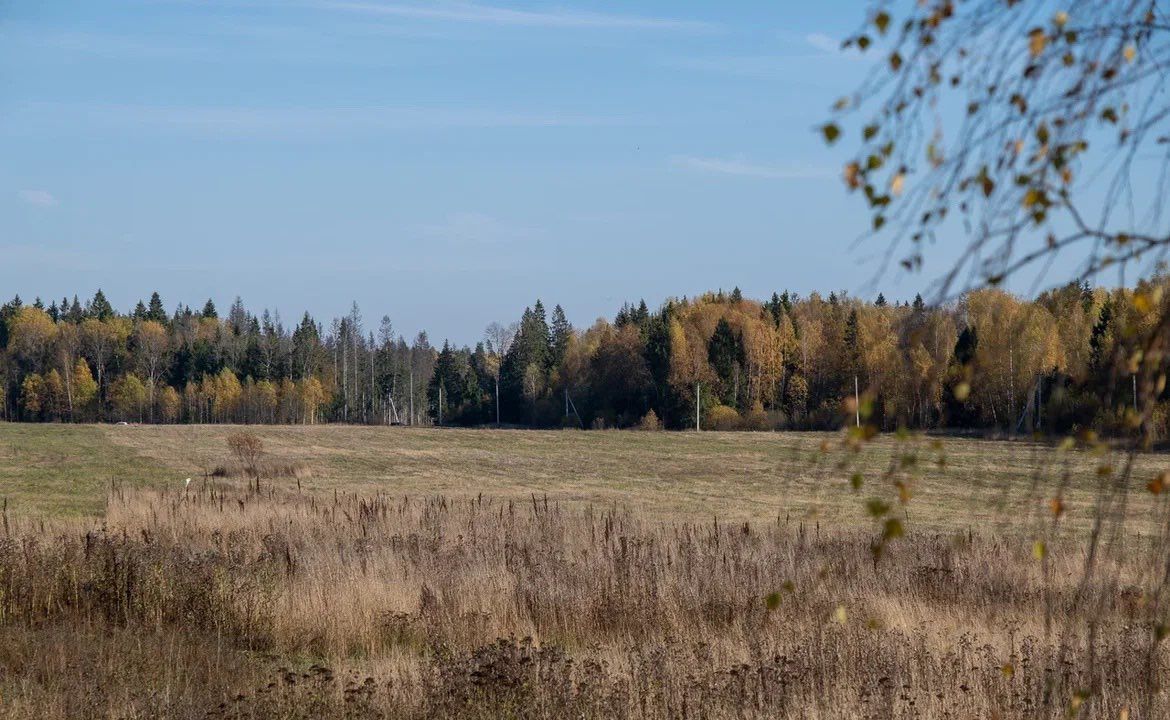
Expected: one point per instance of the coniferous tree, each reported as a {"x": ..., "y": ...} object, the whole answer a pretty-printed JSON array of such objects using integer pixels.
[
  {"x": 155, "y": 310},
  {"x": 725, "y": 353},
  {"x": 1099, "y": 339},
  {"x": 562, "y": 334},
  {"x": 100, "y": 308},
  {"x": 76, "y": 314}
]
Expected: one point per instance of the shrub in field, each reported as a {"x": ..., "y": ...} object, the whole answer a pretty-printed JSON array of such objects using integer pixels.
[
  {"x": 650, "y": 422},
  {"x": 756, "y": 418},
  {"x": 722, "y": 417},
  {"x": 247, "y": 448}
]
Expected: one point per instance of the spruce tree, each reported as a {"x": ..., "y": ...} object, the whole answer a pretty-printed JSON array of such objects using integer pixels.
[
  {"x": 562, "y": 333},
  {"x": 966, "y": 346},
  {"x": 444, "y": 387},
  {"x": 725, "y": 353},
  {"x": 776, "y": 309},
  {"x": 881, "y": 300},
  {"x": 209, "y": 310},
  {"x": 1099, "y": 338},
  {"x": 641, "y": 314},
  {"x": 540, "y": 337},
  {"x": 76, "y": 314},
  {"x": 155, "y": 310},
  {"x": 99, "y": 307}
]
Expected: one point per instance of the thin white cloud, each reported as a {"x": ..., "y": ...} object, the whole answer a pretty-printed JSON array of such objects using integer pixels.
[
  {"x": 465, "y": 12},
  {"x": 325, "y": 123},
  {"x": 473, "y": 228},
  {"x": 744, "y": 168},
  {"x": 827, "y": 46},
  {"x": 39, "y": 198},
  {"x": 823, "y": 42},
  {"x": 750, "y": 65}
]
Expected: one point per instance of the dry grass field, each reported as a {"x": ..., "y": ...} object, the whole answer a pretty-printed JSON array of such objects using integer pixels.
[
  {"x": 387, "y": 573},
  {"x": 979, "y": 484}
]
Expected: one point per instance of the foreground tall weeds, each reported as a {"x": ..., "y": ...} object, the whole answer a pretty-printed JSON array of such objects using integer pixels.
[{"x": 218, "y": 602}]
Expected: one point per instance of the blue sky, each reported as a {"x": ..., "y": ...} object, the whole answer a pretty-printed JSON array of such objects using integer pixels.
[{"x": 442, "y": 163}]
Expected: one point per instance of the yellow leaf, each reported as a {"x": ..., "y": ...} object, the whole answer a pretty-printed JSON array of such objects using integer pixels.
[
  {"x": 1061, "y": 19},
  {"x": 962, "y": 390},
  {"x": 1037, "y": 41},
  {"x": 1130, "y": 53},
  {"x": 1039, "y": 549},
  {"x": 852, "y": 172},
  {"x": 897, "y": 183},
  {"x": 840, "y": 614}
]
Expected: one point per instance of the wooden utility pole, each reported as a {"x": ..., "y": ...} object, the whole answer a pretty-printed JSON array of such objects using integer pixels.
[
  {"x": 698, "y": 404},
  {"x": 856, "y": 401}
]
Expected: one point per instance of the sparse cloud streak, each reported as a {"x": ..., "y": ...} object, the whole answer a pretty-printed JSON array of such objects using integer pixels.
[
  {"x": 823, "y": 42},
  {"x": 743, "y": 168},
  {"x": 461, "y": 12},
  {"x": 474, "y": 228},
  {"x": 37, "y": 198},
  {"x": 320, "y": 122}
]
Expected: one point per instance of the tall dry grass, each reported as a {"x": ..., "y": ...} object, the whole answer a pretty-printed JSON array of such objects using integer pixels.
[{"x": 220, "y": 602}]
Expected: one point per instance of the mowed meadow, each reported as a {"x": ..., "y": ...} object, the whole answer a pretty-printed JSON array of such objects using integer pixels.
[{"x": 395, "y": 572}]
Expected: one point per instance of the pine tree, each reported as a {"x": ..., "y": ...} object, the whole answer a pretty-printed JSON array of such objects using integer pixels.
[
  {"x": 736, "y": 296},
  {"x": 919, "y": 305},
  {"x": 209, "y": 310},
  {"x": 881, "y": 300}
]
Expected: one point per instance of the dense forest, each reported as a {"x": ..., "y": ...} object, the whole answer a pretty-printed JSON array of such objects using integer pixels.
[{"x": 990, "y": 361}]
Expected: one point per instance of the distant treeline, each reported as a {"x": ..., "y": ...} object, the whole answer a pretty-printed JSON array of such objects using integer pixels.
[{"x": 989, "y": 361}]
